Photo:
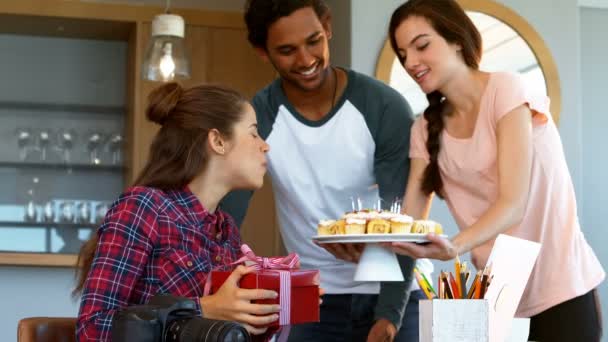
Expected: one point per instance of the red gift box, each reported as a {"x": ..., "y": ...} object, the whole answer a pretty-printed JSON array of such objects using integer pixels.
[{"x": 298, "y": 289}]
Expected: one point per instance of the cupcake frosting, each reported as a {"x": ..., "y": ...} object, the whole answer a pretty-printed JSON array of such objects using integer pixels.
[
  {"x": 350, "y": 215},
  {"x": 426, "y": 223},
  {"x": 352, "y": 220},
  {"x": 402, "y": 218},
  {"x": 387, "y": 215},
  {"x": 325, "y": 223}
]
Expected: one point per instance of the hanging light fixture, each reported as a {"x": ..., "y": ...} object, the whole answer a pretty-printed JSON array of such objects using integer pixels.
[{"x": 166, "y": 57}]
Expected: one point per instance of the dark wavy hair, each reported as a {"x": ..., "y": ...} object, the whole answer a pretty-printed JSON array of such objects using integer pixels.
[
  {"x": 260, "y": 14},
  {"x": 451, "y": 22},
  {"x": 177, "y": 154}
]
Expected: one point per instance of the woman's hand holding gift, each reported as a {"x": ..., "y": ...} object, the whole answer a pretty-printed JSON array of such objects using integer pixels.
[{"x": 232, "y": 303}]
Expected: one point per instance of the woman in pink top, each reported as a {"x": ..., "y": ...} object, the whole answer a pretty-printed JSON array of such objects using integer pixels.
[{"x": 488, "y": 146}]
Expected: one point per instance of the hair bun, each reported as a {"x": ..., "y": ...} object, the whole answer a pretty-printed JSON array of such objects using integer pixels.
[{"x": 162, "y": 101}]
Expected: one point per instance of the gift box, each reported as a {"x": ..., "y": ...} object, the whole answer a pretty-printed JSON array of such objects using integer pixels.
[{"x": 298, "y": 289}]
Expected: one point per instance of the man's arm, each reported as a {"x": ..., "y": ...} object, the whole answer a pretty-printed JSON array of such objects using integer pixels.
[
  {"x": 391, "y": 167},
  {"x": 394, "y": 296}
]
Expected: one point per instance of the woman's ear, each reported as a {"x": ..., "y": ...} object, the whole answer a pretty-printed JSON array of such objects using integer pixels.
[{"x": 216, "y": 142}]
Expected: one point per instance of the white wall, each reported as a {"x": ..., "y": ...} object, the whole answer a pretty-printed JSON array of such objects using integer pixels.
[
  {"x": 34, "y": 291},
  {"x": 594, "y": 25}
]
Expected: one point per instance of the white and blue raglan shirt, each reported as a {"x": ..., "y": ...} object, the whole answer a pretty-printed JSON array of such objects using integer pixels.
[{"x": 358, "y": 150}]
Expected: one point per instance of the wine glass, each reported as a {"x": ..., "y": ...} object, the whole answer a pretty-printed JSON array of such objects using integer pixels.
[
  {"x": 44, "y": 141},
  {"x": 65, "y": 144},
  {"x": 115, "y": 147},
  {"x": 31, "y": 211},
  {"x": 48, "y": 212},
  {"x": 66, "y": 212},
  {"x": 94, "y": 141},
  {"x": 31, "y": 214},
  {"x": 83, "y": 212},
  {"x": 24, "y": 141}
]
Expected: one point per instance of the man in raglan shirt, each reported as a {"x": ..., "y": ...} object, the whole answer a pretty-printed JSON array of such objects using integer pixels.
[{"x": 333, "y": 134}]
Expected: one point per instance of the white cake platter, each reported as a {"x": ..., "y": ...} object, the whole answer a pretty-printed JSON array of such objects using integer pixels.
[
  {"x": 371, "y": 238},
  {"x": 377, "y": 263}
]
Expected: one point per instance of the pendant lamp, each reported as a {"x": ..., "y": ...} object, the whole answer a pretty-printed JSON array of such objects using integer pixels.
[{"x": 166, "y": 58}]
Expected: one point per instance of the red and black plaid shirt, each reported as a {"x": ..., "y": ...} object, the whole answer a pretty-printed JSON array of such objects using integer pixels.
[{"x": 152, "y": 242}]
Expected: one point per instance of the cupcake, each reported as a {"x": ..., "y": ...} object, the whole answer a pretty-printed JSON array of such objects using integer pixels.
[
  {"x": 378, "y": 226},
  {"x": 426, "y": 226},
  {"x": 354, "y": 226},
  {"x": 324, "y": 227},
  {"x": 338, "y": 227},
  {"x": 401, "y": 224}
]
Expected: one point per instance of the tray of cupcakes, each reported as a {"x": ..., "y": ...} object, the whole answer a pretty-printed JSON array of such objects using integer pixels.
[{"x": 370, "y": 226}]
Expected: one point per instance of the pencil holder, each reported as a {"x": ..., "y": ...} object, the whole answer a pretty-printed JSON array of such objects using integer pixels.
[{"x": 465, "y": 320}]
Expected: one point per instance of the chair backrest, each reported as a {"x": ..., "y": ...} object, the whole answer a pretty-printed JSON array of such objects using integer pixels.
[{"x": 38, "y": 329}]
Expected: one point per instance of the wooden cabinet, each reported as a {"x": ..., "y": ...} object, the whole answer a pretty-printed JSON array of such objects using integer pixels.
[{"x": 219, "y": 53}]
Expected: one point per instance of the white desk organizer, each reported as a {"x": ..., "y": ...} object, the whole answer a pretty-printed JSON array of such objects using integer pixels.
[
  {"x": 464, "y": 320},
  {"x": 490, "y": 319}
]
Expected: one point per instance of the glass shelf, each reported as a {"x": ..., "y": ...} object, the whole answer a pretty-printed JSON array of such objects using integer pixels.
[
  {"x": 62, "y": 140},
  {"x": 17, "y": 224},
  {"x": 61, "y": 107},
  {"x": 62, "y": 166}
]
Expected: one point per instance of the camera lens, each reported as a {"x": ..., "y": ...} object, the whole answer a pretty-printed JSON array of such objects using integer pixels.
[
  {"x": 236, "y": 335},
  {"x": 202, "y": 329}
]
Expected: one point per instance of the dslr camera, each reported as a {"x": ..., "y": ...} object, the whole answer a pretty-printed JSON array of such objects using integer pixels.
[{"x": 168, "y": 318}]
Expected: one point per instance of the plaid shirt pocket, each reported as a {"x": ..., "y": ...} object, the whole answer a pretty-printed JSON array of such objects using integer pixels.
[{"x": 183, "y": 273}]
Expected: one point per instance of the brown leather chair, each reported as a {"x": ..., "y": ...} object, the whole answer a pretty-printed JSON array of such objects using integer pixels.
[{"x": 39, "y": 329}]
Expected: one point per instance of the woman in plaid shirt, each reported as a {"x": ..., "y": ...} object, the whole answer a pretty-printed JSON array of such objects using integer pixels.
[{"x": 166, "y": 234}]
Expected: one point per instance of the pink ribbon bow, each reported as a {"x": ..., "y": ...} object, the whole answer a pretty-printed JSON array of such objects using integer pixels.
[{"x": 290, "y": 262}]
